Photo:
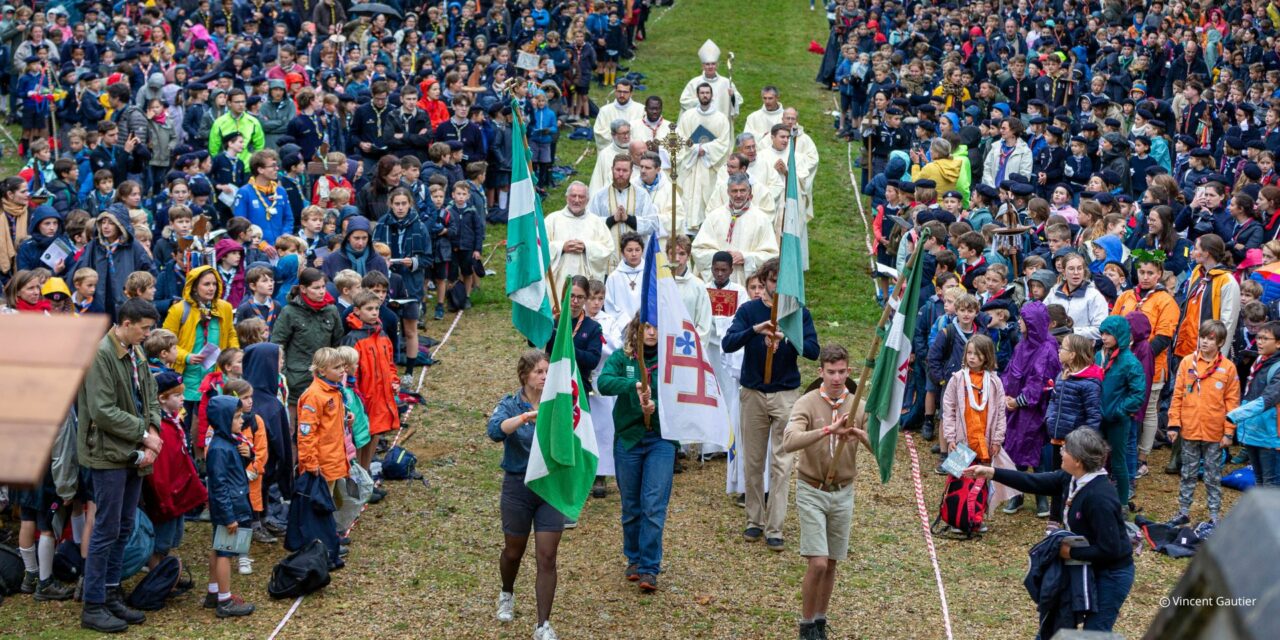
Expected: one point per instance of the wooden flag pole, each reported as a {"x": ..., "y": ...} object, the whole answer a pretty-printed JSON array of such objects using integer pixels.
[
  {"x": 528, "y": 160},
  {"x": 870, "y": 364},
  {"x": 771, "y": 347},
  {"x": 644, "y": 369}
]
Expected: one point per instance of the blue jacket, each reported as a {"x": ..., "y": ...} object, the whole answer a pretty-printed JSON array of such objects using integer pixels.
[
  {"x": 437, "y": 221},
  {"x": 470, "y": 229},
  {"x": 228, "y": 484},
  {"x": 515, "y": 446},
  {"x": 343, "y": 258},
  {"x": 946, "y": 353},
  {"x": 262, "y": 371},
  {"x": 407, "y": 238},
  {"x": 1060, "y": 590},
  {"x": 35, "y": 245},
  {"x": 742, "y": 335},
  {"x": 1124, "y": 385},
  {"x": 311, "y": 516},
  {"x": 1074, "y": 403},
  {"x": 113, "y": 267},
  {"x": 543, "y": 126},
  {"x": 250, "y": 204}
]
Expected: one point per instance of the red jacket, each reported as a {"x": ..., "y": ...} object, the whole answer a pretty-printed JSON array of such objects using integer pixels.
[
  {"x": 376, "y": 375},
  {"x": 173, "y": 488}
]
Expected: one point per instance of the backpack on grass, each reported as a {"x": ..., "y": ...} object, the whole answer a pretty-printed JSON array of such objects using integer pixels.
[
  {"x": 964, "y": 505},
  {"x": 399, "y": 464},
  {"x": 154, "y": 589},
  {"x": 301, "y": 572}
]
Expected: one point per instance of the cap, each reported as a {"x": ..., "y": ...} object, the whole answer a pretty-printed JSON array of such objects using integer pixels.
[
  {"x": 1055, "y": 131},
  {"x": 275, "y": 84},
  {"x": 1201, "y": 152},
  {"x": 987, "y": 191},
  {"x": 1021, "y": 189},
  {"x": 953, "y": 194},
  {"x": 253, "y": 100},
  {"x": 1103, "y": 198},
  {"x": 1112, "y": 122},
  {"x": 905, "y": 186},
  {"x": 1089, "y": 126},
  {"x": 1039, "y": 120},
  {"x": 927, "y": 126},
  {"x": 926, "y": 184}
]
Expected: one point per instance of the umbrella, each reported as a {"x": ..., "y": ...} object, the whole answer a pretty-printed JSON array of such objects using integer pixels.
[{"x": 373, "y": 8}]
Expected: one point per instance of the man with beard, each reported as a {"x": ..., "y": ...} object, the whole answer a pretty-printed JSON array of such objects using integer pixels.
[
  {"x": 623, "y": 207},
  {"x": 620, "y": 136},
  {"x": 622, "y": 108},
  {"x": 710, "y": 133}
]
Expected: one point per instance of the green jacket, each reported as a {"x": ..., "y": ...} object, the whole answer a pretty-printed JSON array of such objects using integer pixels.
[
  {"x": 111, "y": 427},
  {"x": 1124, "y": 384},
  {"x": 248, "y": 126},
  {"x": 301, "y": 331},
  {"x": 360, "y": 425},
  {"x": 619, "y": 378}
]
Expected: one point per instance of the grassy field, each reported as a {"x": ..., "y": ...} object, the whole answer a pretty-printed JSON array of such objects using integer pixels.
[{"x": 424, "y": 562}]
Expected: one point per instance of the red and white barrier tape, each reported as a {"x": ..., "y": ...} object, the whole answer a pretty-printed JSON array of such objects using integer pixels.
[{"x": 928, "y": 534}]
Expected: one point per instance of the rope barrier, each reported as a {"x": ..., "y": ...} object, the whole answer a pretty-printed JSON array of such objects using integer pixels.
[{"x": 928, "y": 534}]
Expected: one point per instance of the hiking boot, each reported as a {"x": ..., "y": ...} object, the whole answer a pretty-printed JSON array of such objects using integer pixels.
[
  {"x": 545, "y": 632},
  {"x": 210, "y": 601},
  {"x": 741, "y": 501},
  {"x": 775, "y": 545},
  {"x": 30, "y": 580},
  {"x": 439, "y": 311},
  {"x": 1175, "y": 455},
  {"x": 377, "y": 496},
  {"x": 343, "y": 550},
  {"x": 928, "y": 432},
  {"x": 115, "y": 604},
  {"x": 344, "y": 541},
  {"x": 941, "y": 471},
  {"x": 98, "y": 618},
  {"x": 467, "y": 306},
  {"x": 506, "y": 607},
  {"x": 648, "y": 583},
  {"x": 274, "y": 528},
  {"x": 246, "y": 565},
  {"x": 234, "y": 607},
  {"x": 808, "y": 631},
  {"x": 1042, "y": 506},
  {"x": 1180, "y": 520},
  {"x": 753, "y": 534},
  {"x": 1013, "y": 505},
  {"x": 632, "y": 573},
  {"x": 50, "y": 590},
  {"x": 820, "y": 628},
  {"x": 260, "y": 534},
  {"x": 598, "y": 490},
  {"x": 936, "y": 450}
]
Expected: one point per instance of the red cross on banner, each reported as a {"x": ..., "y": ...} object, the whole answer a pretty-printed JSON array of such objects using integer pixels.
[{"x": 685, "y": 350}]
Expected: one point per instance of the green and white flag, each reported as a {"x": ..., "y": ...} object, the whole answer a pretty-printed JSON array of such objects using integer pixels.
[
  {"x": 889, "y": 378},
  {"x": 563, "y": 457},
  {"x": 527, "y": 254},
  {"x": 791, "y": 260}
]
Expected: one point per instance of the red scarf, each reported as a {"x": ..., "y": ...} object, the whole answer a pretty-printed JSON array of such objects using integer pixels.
[
  {"x": 40, "y": 307},
  {"x": 316, "y": 306}
]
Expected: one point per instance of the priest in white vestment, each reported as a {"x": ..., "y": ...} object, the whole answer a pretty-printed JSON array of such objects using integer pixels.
[
  {"x": 761, "y": 121},
  {"x": 620, "y": 143},
  {"x": 727, "y": 99},
  {"x": 653, "y": 127},
  {"x": 653, "y": 181},
  {"x": 623, "y": 207},
  {"x": 580, "y": 243},
  {"x": 740, "y": 229},
  {"x": 710, "y": 135},
  {"x": 622, "y": 108}
]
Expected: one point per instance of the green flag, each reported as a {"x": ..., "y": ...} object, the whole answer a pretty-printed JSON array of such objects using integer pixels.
[
  {"x": 527, "y": 253},
  {"x": 563, "y": 455},
  {"x": 889, "y": 378},
  {"x": 791, "y": 260}
]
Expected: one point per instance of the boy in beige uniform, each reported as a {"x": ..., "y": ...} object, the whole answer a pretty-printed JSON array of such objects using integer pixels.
[{"x": 819, "y": 421}]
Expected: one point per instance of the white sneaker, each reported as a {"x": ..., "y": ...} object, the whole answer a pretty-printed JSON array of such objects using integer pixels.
[
  {"x": 545, "y": 632},
  {"x": 506, "y": 607},
  {"x": 246, "y": 565}
]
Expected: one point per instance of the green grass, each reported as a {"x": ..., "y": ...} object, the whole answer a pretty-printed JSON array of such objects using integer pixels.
[{"x": 424, "y": 562}]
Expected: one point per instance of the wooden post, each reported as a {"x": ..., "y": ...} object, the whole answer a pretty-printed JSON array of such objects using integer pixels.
[
  {"x": 771, "y": 347},
  {"x": 644, "y": 369},
  {"x": 869, "y": 365}
]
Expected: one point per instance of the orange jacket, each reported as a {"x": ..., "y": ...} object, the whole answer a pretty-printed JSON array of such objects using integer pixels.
[
  {"x": 1200, "y": 407},
  {"x": 376, "y": 375},
  {"x": 320, "y": 428},
  {"x": 1195, "y": 313},
  {"x": 1162, "y": 311},
  {"x": 256, "y": 434}
]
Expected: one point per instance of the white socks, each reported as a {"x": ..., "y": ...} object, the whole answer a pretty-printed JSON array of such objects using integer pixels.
[
  {"x": 213, "y": 587},
  {"x": 29, "y": 558},
  {"x": 44, "y": 552}
]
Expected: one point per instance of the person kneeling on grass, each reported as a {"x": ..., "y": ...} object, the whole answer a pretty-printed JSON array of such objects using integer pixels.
[
  {"x": 819, "y": 419},
  {"x": 228, "y": 498},
  {"x": 1094, "y": 511},
  {"x": 512, "y": 424}
]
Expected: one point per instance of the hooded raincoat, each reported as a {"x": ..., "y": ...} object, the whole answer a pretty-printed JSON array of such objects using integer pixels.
[{"x": 1027, "y": 379}]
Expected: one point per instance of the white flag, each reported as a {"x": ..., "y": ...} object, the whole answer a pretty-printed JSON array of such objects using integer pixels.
[{"x": 690, "y": 406}]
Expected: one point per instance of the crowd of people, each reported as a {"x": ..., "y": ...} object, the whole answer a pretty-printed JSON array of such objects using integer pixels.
[{"x": 271, "y": 201}]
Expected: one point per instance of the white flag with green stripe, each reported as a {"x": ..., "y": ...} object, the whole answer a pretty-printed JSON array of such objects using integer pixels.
[
  {"x": 791, "y": 259},
  {"x": 527, "y": 252},
  {"x": 563, "y": 456}
]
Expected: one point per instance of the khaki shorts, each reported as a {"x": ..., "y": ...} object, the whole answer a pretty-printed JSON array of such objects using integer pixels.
[{"x": 825, "y": 519}]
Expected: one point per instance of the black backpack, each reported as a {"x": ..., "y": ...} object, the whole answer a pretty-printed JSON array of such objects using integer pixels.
[
  {"x": 301, "y": 572},
  {"x": 154, "y": 589},
  {"x": 68, "y": 566},
  {"x": 456, "y": 296},
  {"x": 12, "y": 570}
]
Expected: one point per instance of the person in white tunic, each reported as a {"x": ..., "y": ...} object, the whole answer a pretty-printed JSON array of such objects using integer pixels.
[
  {"x": 620, "y": 137},
  {"x": 711, "y": 138},
  {"x": 725, "y": 296},
  {"x": 693, "y": 290},
  {"x": 761, "y": 121},
  {"x": 622, "y": 289},
  {"x": 727, "y": 100},
  {"x": 602, "y": 406},
  {"x": 740, "y": 229},
  {"x": 579, "y": 243},
  {"x": 653, "y": 128},
  {"x": 623, "y": 207},
  {"x": 622, "y": 108},
  {"x": 773, "y": 159},
  {"x": 651, "y": 180}
]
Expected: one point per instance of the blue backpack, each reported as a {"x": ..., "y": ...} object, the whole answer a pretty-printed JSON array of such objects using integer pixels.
[
  {"x": 399, "y": 464},
  {"x": 141, "y": 543},
  {"x": 154, "y": 589}
]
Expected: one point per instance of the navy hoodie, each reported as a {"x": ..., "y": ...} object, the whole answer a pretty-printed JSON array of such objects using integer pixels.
[
  {"x": 228, "y": 483},
  {"x": 35, "y": 245},
  {"x": 340, "y": 259},
  {"x": 262, "y": 372}
]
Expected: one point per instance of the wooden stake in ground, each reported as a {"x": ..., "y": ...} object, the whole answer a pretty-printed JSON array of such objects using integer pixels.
[{"x": 870, "y": 364}]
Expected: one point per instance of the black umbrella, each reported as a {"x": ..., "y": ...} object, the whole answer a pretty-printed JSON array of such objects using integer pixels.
[{"x": 374, "y": 8}]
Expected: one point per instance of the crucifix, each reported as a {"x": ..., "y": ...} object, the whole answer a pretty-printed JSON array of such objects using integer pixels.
[{"x": 673, "y": 143}]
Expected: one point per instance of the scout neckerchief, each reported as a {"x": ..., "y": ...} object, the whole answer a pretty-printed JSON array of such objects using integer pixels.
[
  {"x": 1112, "y": 357},
  {"x": 1196, "y": 376},
  {"x": 977, "y": 403},
  {"x": 653, "y": 128},
  {"x": 835, "y": 404},
  {"x": 734, "y": 214},
  {"x": 270, "y": 204},
  {"x": 377, "y": 119},
  {"x": 1141, "y": 298}
]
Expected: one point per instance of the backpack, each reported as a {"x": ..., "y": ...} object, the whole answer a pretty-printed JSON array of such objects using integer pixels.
[
  {"x": 12, "y": 570},
  {"x": 301, "y": 572},
  {"x": 399, "y": 464},
  {"x": 142, "y": 542},
  {"x": 457, "y": 296},
  {"x": 68, "y": 566},
  {"x": 154, "y": 589},
  {"x": 964, "y": 505}
]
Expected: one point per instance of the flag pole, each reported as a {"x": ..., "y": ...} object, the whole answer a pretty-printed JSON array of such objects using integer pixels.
[
  {"x": 644, "y": 370},
  {"x": 524, "y": 129},
  {"x": 773, "y": 313},
  {"x": 870, "y": 364}
]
